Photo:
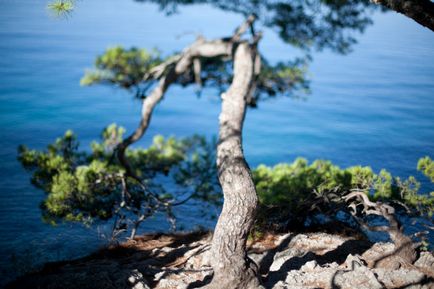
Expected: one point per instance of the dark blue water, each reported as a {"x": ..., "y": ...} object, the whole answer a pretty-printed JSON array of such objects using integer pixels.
[{"x": 373, "y": 107}]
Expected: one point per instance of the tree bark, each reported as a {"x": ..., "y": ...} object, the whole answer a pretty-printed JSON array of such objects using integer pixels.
[
  {"x": 404, "y": 253},
  {"x": 421, "y": 11},
  {"x": 148, "y": 106},
  {"x": 228, "y": 251},
  {"x": 200, "y": 48},
  {"x": 230, "y": 262}
]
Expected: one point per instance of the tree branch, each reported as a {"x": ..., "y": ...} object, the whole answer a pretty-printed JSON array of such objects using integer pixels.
[
  {"x": 421, "y": 11},
  {"x": 404, "y": 248},
  {"x": 167, "y": 73}
]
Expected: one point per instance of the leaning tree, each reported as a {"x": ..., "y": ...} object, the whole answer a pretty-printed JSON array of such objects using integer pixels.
[
  {"x": 234, "y": 64},
  {"x": 251, "y": 77}
]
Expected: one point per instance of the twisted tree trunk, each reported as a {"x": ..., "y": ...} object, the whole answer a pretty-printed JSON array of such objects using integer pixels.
[
  {"x": 404, "y": 253},
  {"x": 175, "y": 67},
  {"x": 229, "y": 258},
  {"x": 228, "y": 252}
]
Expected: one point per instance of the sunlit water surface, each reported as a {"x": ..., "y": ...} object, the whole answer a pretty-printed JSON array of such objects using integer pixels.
[{"x": 372, "y": 107}]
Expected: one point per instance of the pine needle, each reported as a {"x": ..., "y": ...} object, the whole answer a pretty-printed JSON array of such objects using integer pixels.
[{"x": 61, "y": 7}]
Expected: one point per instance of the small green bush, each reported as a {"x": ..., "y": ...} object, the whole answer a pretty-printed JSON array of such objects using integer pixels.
[
  {"x": 83, "y": 185},
  {"x": 301, "y": 188}
]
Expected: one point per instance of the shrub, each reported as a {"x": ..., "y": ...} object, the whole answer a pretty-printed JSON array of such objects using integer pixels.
[{"x": 83, "y": 186}]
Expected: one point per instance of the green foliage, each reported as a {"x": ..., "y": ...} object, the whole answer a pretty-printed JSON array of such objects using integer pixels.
[
  {"x": 303, "y": 24},
  {"x": 125, "y": 68},
  {"x": 82, "y": 186},
  {"x": 158, "y": 158},
  {"x": 133, "y": 69},
  {"x": 284, "y": 78},
  {"x": 111, "y": 136},
  {"x": 61, "y": 7},
  {"x": 300, "y": 188},
  {"x": 426, "y": 165},
  {"x": 292, "y": 183}
]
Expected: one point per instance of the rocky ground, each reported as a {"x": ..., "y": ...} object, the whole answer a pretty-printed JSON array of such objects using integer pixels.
[{"x": 296, "y": 261}]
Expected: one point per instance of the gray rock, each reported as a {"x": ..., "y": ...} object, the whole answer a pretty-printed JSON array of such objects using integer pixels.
[
  {"x": 360, "y": 278},
  {"x": 353, "y": 261},
  {"x": 181, "y": 280},
  {"x": 309, "y": 266},
  {"x": 320, "y": 278},
  {"x": 401, "y": 278},
  {"x": 137, "y": 281},
  {"x": 426, "y": 262},
  {"x": 281, "y": 257}
]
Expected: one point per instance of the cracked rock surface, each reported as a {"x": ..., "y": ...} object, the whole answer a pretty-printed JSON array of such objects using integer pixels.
[{"x": 296, "y": 261}]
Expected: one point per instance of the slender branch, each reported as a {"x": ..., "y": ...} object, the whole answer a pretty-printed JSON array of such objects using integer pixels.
[
  {"x": 362, "y": 196},
  {"x": 197, "y": 67},
  {"x": 404, "y": 247},
  {"x": 378, "y": 228},
  {"x": 167, "y": 73},
  {"x": 141, "y": 218},
  {"x": 148, "y": 106},
  {"x": 243, "y": 28},
  {"x": 183, "y": 201},
  {"x": 421, "y": 11},
  {"x": 250, "y": 98}
]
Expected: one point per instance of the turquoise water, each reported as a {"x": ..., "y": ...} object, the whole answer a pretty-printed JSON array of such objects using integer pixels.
[{"x": 372, "y": 107}]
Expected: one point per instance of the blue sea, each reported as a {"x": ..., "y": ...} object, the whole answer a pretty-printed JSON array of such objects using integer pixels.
[{"x": 372, "y": 107}]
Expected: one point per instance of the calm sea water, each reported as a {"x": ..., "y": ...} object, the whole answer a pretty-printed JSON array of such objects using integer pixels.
[{"x": 373, "y": 107}]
